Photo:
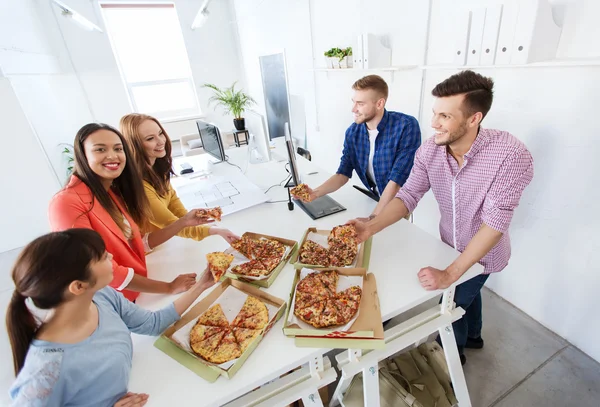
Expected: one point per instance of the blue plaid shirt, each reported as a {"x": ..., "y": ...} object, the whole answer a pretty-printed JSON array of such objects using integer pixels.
[{"x": 395, "y": 146}]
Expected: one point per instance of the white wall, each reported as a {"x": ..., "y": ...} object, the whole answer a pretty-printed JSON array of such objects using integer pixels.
[
  {"x": 305, "y": 29},
  {"x": 26, "y": 179},
  {"x": 212, "y": 50}
]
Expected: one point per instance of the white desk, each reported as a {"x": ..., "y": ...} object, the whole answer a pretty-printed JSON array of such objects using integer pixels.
[{"x": 397, "y": 255}]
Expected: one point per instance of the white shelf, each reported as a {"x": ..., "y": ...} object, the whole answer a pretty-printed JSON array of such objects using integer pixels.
[
  {"x": 556, "y": 63},
  {"x": 391, "y": 68}
]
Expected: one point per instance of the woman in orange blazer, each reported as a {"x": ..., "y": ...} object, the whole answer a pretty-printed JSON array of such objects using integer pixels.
[{"x": 107, "y": 195}]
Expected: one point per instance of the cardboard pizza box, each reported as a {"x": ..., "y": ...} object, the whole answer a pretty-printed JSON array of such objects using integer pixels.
[
  {"x": 366, "y": 332},
  {"x": 362, "y": 257},
  {"x": 292, "y": 246},
  {"x": 196, "y": 364}
]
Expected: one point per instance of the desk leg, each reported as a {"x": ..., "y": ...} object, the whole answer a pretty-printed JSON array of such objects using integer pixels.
[
  {"x": 371, "y": 386},
  {"x": 313, "y": 400},
  {"x": 344, "y": 382},
  {"x": 451, "y": 352}
]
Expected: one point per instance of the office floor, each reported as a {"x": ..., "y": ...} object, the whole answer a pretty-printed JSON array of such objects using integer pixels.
[{"x": 522, "y": 364}]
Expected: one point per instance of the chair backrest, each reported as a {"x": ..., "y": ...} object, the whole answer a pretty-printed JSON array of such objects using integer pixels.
[{"x": 304, "y": 153}]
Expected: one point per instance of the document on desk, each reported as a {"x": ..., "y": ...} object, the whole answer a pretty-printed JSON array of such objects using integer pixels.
[{"x": 232, "y": 193}]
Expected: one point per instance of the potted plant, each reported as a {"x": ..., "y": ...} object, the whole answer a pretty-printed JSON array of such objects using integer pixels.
[
  {"x": 338, "y": 57},
  {"x": 345, "y": 56},
  {"x": 68, "y": 154},
  {"x": 234, "y": 102}
]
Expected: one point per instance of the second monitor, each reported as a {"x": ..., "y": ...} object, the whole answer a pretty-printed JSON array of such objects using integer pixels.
[{"x": 211, "y": 139}]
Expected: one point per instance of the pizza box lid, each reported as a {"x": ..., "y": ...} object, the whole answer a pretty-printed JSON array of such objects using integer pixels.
[
  {"x": 268, "y": 281},
  {"x": 363, "y": 256},
  {"x": 207, "y": 371},
  {"x": 365, "y": 333}
]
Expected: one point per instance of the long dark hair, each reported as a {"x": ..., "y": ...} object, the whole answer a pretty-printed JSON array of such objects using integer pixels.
[
  {"x": 159, "y": 174},
  {"x": 43, "y": 271},
  {"x": 128, "y": 185}
]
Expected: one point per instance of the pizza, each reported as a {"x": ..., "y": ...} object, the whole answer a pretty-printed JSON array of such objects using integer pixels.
[
  {"x": 218, "y": 263},
  {"x": 301, "y": 192},
  {"x": 210, "y": 213},
  {"x": 314, "y": 254},
  {"x": 216, "y": 341},
  {"x": 343, "y": 234},
  {"x": 318, "y": 303},
  {"x": 341, "y": 253},
  {"x": 253, "y": 268},
  {"x": 264, "y": 254}
]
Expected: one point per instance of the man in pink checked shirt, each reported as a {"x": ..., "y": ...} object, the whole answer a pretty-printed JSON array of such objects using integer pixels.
[{"x": 477, "y": 176}]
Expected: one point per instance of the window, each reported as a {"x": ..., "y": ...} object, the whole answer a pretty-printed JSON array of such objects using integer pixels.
[{"x": 149, "y": 48}]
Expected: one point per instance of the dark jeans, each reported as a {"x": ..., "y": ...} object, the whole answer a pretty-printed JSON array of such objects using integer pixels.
[{"x": 468, "y": 297}]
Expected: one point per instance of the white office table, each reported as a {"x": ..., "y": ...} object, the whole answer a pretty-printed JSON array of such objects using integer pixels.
[{"x": 397, "y": 255}]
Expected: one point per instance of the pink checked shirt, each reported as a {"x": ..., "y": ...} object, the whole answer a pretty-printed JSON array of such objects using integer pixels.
[{"x": 487, "y": 189}]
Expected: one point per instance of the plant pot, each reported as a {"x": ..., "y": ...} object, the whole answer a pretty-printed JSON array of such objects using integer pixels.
[
  {"x": 343, "y": 63},
  {"x": 328, "y": 63},
  {"x": 349, "y": 61},
  {"x": 335, "y": 62},
  {"x": 240, "y": 124}
]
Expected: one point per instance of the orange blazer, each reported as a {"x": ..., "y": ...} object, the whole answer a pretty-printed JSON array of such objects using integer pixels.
[{"x": 74, "y": 207}]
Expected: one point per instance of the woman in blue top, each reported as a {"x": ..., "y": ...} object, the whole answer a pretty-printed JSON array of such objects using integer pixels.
[{"x": 81, "y": 355}]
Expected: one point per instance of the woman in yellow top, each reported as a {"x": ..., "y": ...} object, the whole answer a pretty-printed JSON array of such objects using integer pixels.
[{"x": 151, "y": 149}]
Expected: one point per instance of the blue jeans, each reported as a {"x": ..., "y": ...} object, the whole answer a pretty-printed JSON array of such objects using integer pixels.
[{"x": 468, "y": 296}]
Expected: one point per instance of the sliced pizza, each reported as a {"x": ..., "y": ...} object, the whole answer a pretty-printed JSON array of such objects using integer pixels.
[
  {"x": 311, "y": 313},
  {"x": 210, "y": 213},
  {"x": 304, "y": 300},
  {"x": 329, "y": 279},
  {"x": 218, "y": 263},
  {"x": 201, "y": 332},
  {"x": 314, "y": 254},
  {"x": 243, "y": 245},
  {"x": 329, "y": 317},
  {"x": 344, "y": 233},
  {"x": 252, "y": 306},
  {"x": 252, "y": 268},
  {"x": 311, "y": 284},
  {"x": 206, "y": 348},
  {"x": 256, "y": 321},
  {"x": 342, "y": 254},
  {"x": 270, "y": 263},
  {"x": 301, "y": 192},
  {"x": 214, "y": 316},
  {"x": 228, "y": 349},
  {"x": 245, "y": 336},
  {"x": 346, "y": 308},
  {"x": 353, "y": 293}
]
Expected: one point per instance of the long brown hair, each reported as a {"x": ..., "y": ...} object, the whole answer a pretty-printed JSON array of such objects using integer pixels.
[
  {"x": 43, "y": 272},
  {"x": 128, "y": 185},
  {"x": 159, "y": 174}
]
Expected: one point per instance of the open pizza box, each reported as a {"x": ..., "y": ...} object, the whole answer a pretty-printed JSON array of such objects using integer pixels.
[
  {"x": 365, "y": 331},
  {"x": 169, "y": 344},
  {"x": 290, "y": 246},
  {"x": 320, "y": 236}
]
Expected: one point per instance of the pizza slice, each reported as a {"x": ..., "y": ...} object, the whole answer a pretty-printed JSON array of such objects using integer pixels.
[
  {"x": 345, "y": 233},
  {"x": 329, "y": 317},
  {"x": 252, "y": 268},
  {"x": 214, "y": 316},
  {"x": 243, "y": 245},
  {"x": 311, "y": 284},
  {"x": 206, "y": 348},
  {"x": 201, "y": 332},
  {"x": 210, "y": 213},
  {"x": 218, "y": 263},
  {"x": 304, "y": 300},
  {"x": 347, "y": 308},
  {"x": 270, "y": 263},
  {"x": 342, "y": 254},
  {"x": 228, "y": 349},
  {"x": 245, "y": 337},
  {"x": 256, "y": 321},
  {"x": 353, "y": 293},
  {"x": 252, "y": 306},
  {"x": 311, "y": 313},
  {"x": 314, "y": 254},
  {"x": 301, "y": 192},
  {"x": 329, "y": 279}
]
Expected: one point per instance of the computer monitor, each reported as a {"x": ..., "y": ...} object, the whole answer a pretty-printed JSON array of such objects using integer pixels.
[
  {"x": 289, "y": 144},
  {"x": 212, "y": 142},
  {"x": 258, "y": 145}
]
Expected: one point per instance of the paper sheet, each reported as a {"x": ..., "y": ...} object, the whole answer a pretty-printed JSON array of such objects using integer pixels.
[
  {"x": 239, "y": 258},
  {"x": 231, "y": 301},
  {"x": 344, "y": 282},
  {"x": 322, "y": 240}
]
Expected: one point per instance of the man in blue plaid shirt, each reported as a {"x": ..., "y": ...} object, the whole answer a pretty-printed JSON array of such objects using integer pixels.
[{"x": 380, "y": 145}]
